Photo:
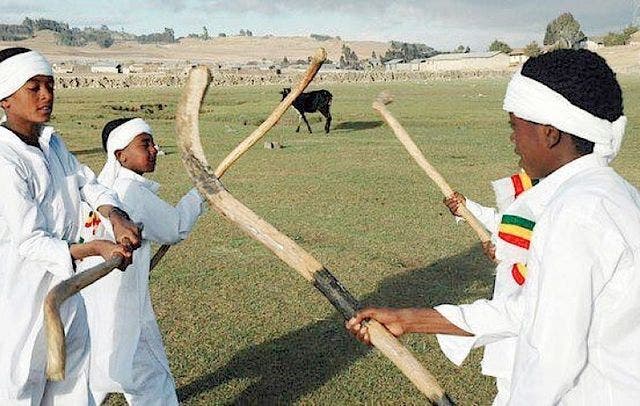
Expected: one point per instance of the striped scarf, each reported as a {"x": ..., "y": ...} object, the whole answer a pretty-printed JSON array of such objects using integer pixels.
[{"x": 516, "y": 226}]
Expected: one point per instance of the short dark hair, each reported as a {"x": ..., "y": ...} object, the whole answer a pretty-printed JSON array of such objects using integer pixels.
[
  {"x": 110, "y": 126},
  {"x": 584, "y": 79},
  {"x": 9, "y": 52}
]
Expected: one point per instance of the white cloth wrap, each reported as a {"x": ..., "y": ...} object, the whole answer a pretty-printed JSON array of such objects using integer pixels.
[
  {"x": 18, "y": 69},
  {"x": 533, "y": 101},
  {"x": 118, "y": 139}
]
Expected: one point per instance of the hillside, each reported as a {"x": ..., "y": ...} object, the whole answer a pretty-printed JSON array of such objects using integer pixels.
[
  {"x": 236, "y": 49},
  {"x": 226, "y": 50}
]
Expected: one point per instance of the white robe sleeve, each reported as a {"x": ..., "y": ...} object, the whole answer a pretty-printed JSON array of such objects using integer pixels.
[
  {"x": 91, "y": 191},
  {"x": 553, "y": 347},
  {"x": 28, "y": 226},
  {"x": 488, "y": 216},
  {"x": 488, "y": 320},
  {"x": 163, "y": 223}
]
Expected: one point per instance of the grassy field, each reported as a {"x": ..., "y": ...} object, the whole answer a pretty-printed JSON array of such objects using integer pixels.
[{"x": 240, "y": 326}]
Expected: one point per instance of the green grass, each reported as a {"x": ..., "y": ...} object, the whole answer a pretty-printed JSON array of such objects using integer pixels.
[{"x": 239, "y": 325}]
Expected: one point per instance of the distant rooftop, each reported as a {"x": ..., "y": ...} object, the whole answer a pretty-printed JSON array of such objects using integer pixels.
[{"x": 468, "y": 55}]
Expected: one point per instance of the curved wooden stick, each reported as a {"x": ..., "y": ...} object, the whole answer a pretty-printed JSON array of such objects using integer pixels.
[
  {"x": 158, "y": 256},
  {"x": 56, "y": 354},
  {"x": 411, "y": 147},
  {"x": 282, "y": 246},
  {"x": 316, "y": 62}
]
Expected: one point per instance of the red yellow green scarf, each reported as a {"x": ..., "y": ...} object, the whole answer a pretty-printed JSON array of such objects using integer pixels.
[{"x": 516, "y": 227}]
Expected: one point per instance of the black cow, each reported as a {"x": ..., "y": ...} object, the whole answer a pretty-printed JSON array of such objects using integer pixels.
[{"x": 317, "y": 100}]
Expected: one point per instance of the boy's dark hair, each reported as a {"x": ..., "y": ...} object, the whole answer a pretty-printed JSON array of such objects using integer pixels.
[
  {"x": 9, "y": 52},
  {"x": 584, "y": 79},
  {"x": 110, "y": 126}
]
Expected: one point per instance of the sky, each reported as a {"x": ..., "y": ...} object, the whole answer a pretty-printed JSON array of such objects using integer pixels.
[{"x": 442, "y": 24}]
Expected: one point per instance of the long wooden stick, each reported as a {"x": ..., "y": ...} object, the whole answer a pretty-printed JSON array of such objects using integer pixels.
[
  {"x": 316, "y": 62},
  {"x": 380, "y": 106},
  {"x": 56, "y": 354},
  {"x": 282, "y": 246}
]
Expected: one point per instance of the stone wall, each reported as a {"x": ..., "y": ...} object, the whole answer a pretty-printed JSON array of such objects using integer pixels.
[{"x": 285, "y": 79}]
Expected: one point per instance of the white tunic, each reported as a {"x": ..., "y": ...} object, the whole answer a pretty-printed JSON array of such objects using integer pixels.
[
  {"x": 119, "y": 306},
  {"x": 577, "y": 321},
  {"x": 41, "y": 193}
]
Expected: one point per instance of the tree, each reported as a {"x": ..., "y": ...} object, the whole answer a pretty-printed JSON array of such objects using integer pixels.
[
  {"x": 460, "y": 49},
  {"x": 222, "y": 35},
  {"x": 403, "y": 50},
  {"x": 532, "y": 49},
  {"x": 349, "y": 59},
  {"x": 613, "y": 38},
  {"x": 630, "y": 30},
  {"x": 104, "y": 39},
  {"x": 320, "y": 37},
  {"x": 242, "y": 33},
  {"x": 500, "y": 46},
  {"x": 619, "y": 38},
  {"x": 563, "y": 31},
  {"x": 205, "y": 33},
  {"x": 373, "y": 55}
]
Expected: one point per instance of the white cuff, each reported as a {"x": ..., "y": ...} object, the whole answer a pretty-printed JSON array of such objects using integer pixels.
[{"x": 456, "y": 348}]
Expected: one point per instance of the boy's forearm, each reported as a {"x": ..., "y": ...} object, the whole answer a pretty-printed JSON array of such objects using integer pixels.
[
  {"x": 429, "y": 321},
  {"x": 80, "y": 251}
]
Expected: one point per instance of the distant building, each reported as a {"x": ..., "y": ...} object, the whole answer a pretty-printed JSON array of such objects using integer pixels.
[
  {"x": 415, "y": 63},
  {"x": 592, "y": 43},
  {"x": 62, "y": 68},
  {"x": 495, "y": 60},
  {"x": 135, "y": 68},
  {"x": 395, "y": 64},
  {"x": 373, "y": 63},
  {"x": 106, "y": 67},
  {"x": 330, "y": 66},
  {"x": 517, "y": 57}
]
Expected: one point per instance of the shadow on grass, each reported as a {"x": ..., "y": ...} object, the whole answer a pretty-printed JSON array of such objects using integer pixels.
[
  {"x": 287, "y": 368},
  {"x": 357, "y": 125}
]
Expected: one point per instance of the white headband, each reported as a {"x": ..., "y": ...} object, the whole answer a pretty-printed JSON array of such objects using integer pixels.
[
  {"x": 533, "y": 101},
  {"x": 18, "y": 69},
  {"x": 118, "y": 139}
]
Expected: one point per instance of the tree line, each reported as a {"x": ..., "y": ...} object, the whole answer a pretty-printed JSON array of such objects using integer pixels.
[
  {"x": 565, "y": 32},
  {"x": 66, "y": 35}
]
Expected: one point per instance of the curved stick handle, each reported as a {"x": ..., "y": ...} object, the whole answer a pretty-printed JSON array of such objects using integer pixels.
[
  {"x": 282, "y": 246},
  {"x": 389, "y": 345},
  {"x": 158, "y": 256},
  {"x": 56, "y": 354},
  {"x": 414, "y": 151}
]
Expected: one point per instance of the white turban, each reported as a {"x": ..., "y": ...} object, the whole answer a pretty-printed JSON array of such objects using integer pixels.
[
  {"x": 15, "y": 71},
  {"x": 118, "y": 139},
  {"x": 533, "y": 101}
]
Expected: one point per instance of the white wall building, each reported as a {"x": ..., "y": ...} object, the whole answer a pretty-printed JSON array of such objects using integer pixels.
[{"x": 467, "y": 61}]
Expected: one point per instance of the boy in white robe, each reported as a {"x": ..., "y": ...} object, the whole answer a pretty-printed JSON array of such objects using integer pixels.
[
  {"x": 576, "y": 319},
  {"x": 43, "y": 186},
  {"x": 127, "y": 352}
]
